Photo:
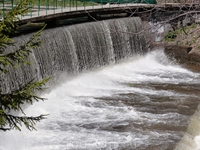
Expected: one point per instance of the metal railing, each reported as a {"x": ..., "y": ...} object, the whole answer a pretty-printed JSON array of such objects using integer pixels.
[{"x": 46, "y": 7}]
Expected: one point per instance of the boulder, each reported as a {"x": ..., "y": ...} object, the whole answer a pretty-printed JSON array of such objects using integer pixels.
[
  {"x": 194, "y": 57},
  {"x": 183, "y": 54}
]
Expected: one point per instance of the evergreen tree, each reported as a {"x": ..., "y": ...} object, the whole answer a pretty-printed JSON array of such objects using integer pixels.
[{"x": 14, "y": 100}]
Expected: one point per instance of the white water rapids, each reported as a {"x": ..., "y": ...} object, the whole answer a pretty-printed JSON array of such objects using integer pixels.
[{"x": 115, "y": 108}]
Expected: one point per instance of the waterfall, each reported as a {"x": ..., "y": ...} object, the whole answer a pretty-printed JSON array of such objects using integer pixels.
[
  {"x": 144, "y": 102},
  {"x": 73, "y": 49}
]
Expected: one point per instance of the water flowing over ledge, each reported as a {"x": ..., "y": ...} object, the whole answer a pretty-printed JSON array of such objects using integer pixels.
[
  {"x": 80, "y": 47},
  {"x": 144, "y": 102}
]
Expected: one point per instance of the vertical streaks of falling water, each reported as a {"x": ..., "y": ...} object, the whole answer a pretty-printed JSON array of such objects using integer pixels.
[
  {"x": 78, "y": 48},
  {"x": 109, "y": 42}
]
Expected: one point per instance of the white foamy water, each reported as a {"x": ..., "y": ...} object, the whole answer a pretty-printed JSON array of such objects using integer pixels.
[{"x": 87, "y": 112}]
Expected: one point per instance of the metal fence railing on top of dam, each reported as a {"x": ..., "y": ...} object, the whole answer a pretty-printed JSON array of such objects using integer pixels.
[{"x": 46, "y": 7}]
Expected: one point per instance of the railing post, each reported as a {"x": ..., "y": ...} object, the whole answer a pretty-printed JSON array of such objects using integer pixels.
[
  {"x": 70, "y": 2},
  {"x": 47, "y": 6},
  {"x": 3, "y": 15},
  {"x": 3, "y": 10},
  {"x": 54, "y": 7},
  {"x": 31, "y": 9},
  {"x": 92, "y": 4},
  {"x": 12, "y": 4},
  {"x": 38, "y": 7},
  {"x": 20, "y": 15},
  {"x": 62, "y": 5}
]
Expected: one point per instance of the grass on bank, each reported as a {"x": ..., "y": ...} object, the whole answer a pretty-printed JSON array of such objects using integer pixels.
[{"x": 187, "y": 35}]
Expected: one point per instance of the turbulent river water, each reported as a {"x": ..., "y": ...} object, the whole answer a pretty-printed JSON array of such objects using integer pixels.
[{"x": 145, "y": 102}]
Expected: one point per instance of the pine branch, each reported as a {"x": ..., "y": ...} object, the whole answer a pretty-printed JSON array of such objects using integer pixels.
[
  {"x": 20, "y": 55},
  {"x": 15, "y": 122},
  {"x": 25, "y": 95},
  {"x": 4, "y": 129},
  {"x": 8, "y": 24}
]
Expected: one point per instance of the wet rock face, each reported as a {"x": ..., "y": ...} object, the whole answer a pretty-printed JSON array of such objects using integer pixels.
[
  {"x": 183, "y": 54},
  {"x": 194, "y": 57}
]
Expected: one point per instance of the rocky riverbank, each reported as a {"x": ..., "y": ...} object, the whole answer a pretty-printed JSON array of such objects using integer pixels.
[
  {"x": 183, "y": 45},
  {"x": 185, "y": 55}
]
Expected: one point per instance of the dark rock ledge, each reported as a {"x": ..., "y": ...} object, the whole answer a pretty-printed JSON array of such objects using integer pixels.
[{"x": 185, "y": 55}]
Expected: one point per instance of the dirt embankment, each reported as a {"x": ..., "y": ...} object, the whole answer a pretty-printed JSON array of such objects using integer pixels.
[{"x": 184, "y": 45}]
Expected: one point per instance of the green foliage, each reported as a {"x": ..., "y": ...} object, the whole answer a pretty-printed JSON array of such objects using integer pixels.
[
  {"x": 194, "y": 25},
  {"x": 14, "y": 100},
  {"x": 180, "y": 30},
  {"x": 181, "y": 43},
  {"x": 171, "y": 36}
]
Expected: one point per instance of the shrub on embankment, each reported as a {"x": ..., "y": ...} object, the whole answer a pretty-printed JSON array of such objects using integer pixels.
[{"x": 184, "y": 44}]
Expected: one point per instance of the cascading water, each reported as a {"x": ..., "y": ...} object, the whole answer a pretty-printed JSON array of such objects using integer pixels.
[
  {"x": 73, "y": 49},
  {"x": 144, "y": 102}
]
